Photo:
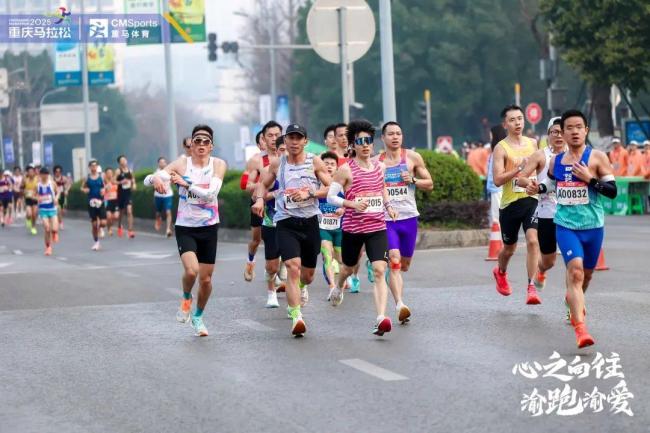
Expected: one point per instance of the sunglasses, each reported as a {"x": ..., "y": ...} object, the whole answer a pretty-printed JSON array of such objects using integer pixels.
[
  {"x": 202, "y": 141},
  {"x": 362, "y": 141}
]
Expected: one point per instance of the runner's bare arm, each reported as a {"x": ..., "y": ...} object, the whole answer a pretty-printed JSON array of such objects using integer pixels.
[
  {"x": 535, "y": 165},
  {"x": 321, "y": 171},
  {"x": 424, "y": 181},
  {"x": 267, "y": 179},
  {"x": 253, "y": 169},
  {"x": 499, "y": 173}
]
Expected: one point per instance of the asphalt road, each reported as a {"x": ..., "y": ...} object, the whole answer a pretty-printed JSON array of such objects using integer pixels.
[{"x": 89, "y": 343}]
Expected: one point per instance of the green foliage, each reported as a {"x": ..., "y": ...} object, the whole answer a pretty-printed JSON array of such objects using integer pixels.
[
  {"x": 453, "y": 180},
  {"x": 605, "y": 40},
  {"x": 234, "y": 204}
]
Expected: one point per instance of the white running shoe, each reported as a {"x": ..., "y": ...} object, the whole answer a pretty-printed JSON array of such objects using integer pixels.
[
  {"x": 272, "y": 300},
  {"x": 96, "y": 246},
  {"x": 304, "y": 296},
  {"x": 102, "y": 233},
  {"x": 335, "y": 297}
]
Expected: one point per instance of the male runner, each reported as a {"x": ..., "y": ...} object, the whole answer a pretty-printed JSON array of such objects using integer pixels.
[
  {"x": 329, "y": 137},
  {"x": 19, "y": 198},
  {"x": 110, "y": 199},
  {"x": 539, "y": 163},
  {"x": 299, "y": 175},
  {"x": 578, "y": 176},
  {"x": 6, "y": 197},
  {"x": 199, "y": 178},
  {"x": 126, "y": 183},
  {"x": 29, "y": 189},
  {"x": 252, "y": 173},
  {"x": 63, "y": 185},
  {"x": 163, "y": 202},
  {"x": 366, "y": 199},
  {"x": 517, "y": 208},
  {"x": 47, "y": 198},
  {"x": 93, "y": 185},
  {"x": 404, "y": 173}
]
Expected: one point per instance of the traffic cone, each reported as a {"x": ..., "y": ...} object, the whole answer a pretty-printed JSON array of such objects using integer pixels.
[
  {"x": 495, "y": 244},
  {"x": 601, "y": 266}
]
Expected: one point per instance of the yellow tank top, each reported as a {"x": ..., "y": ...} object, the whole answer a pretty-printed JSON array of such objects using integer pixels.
[
  {"x": 512, "y": 193},
  {"x": 30, "y": 187}
]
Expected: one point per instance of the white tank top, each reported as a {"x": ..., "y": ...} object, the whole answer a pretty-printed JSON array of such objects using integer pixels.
[
  {"x": 194, "y": 211},
  {"x": 400, "y": 194},
  {"x": 547, "y": 202}
]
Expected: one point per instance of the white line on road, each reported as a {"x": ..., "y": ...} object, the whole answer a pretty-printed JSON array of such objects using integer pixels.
[
  {"x": 372, "y": 369},
  {"x": 257, "y": 326},
  {"x": 18, "y": 252},
  {"x": 129, "y": 274},
  {"x": 63, "y": 259},
  {"x": 4, "y": 265}
]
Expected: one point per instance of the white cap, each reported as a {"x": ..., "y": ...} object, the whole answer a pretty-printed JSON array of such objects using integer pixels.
[
  {"x": 551, "y": 122},
  {"x": 646, "y": 143},
  {"x": 634, "y": 143},
  {"x": 6, "y": 173},
  {"x": 616, "y": 140}
]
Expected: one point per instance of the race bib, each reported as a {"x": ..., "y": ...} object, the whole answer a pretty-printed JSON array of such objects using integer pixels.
[
  {"x": 375, "y": 201},
  {"x": 329, "y": 222},
  {"x": 572, "y": 193},
  {"x": 45, "y": 199},
  {"x": 29, "y": 193},
  {"x": 4, "y": 188},
  {"x": 195, "y": 199},
  {"x": 295, "y": 204},
  {"x": 516, "y": 188},
  {"x": 126, "y": 185},
  {"x": 397, "y": 192},
  {"x": 95, "y": 203}
]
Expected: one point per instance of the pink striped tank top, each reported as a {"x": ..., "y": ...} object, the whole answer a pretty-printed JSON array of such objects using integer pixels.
[{"x": 367, "y": 185}]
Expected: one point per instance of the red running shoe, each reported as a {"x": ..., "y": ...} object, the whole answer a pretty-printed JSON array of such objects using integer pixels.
[
  {"x": 503, "y": 286},
  {"x": 532, "y": 298},
  {"x": 583, "y": 339},
  {"x": 120, "y": 232},
  {"x": 382, "y": 326}
]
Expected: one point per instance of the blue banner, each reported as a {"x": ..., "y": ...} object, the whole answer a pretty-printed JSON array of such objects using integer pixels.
[
  {"x": 282, "y": 115},
  {"x": 8, "y": 144},
  {"x": 48, "y": 153}
]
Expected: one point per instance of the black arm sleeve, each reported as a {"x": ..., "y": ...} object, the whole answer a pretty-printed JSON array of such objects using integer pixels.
[{"x": 608, "y": 189}]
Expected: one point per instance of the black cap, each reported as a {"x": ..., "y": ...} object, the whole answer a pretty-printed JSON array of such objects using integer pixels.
[
  {"x": 294, "y": 128},
  {"x": 44, "y": 170}
]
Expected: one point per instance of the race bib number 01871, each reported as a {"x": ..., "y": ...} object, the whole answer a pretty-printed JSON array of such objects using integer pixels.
[
  {"x": 329, "y": 222},
  {"x": 572, "y": 193}
]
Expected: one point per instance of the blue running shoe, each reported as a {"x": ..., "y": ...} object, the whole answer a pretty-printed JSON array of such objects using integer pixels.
[
  {"x": 355, "y": 284},
  {"x": 371, "y": 273},
  {"x": 199, "y": 326}
]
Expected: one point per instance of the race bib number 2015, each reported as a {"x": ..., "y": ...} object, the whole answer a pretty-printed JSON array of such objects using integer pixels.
[{"x": 374, "y": 199}]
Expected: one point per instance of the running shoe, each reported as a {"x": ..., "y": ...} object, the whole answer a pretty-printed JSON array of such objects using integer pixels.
[
  {"x": 272, "y": 300},
  {"x": 583, "y": 338},
  {"x": 298, "y": 327},
  {"x": 157, "y": 224},
  {"x": 102, "y": 233},
  {"x": 304, "y": 296},
  {"x": 355, "y": 284},
  {"x": 120, "y": 232},
  {"x": 249, "y": 271},
  {"x": 382, "y": 326},
  {"x": 335, "y": 267},
  {"x": 55, "y": 237},
  {"x": 371, "y": 273},
  {"x": 33, "y": 231},
  {"x": 540, "y": 280},
  {"x": 169, "y": 233},
  {"x": 48, "y": 251},
  {"x": 199, "y": 326},
  {"x": 532, "y": 298},
  {"x": 183, "y": 313},
  {"x": 131, "y": 234},
  {"x": 95, "y": 246},
  {"x": 403, "y": 314},
  {"x": 335, "y": 297},
  {"x": 28, "y": 224},
  {"x": 503, "y": 286},
  {"x": 568, "y": 312},
  {"x": 280, "y": 286}
]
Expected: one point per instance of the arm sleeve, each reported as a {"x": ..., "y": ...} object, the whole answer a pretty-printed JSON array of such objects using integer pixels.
[
  {"x": 243, "y": 181},
  {"x": 605, "y": 187},
  {"x": 163, "y": 175},
  {"x": 333, "y": 194},
  {"x": 211, "y": 191},
  {"x": 547, "y": 186}
]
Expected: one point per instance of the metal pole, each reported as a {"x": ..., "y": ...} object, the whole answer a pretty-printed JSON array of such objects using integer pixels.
[
  {"x": 2, "y": 144},
  {"x": 518, "y": 94},
  {"x": 387, "y": 65},
  {"x": 169, "y": 82},
  {"x": 21, "y": 160},
  {"x": 552, "y": 53},
  {"x": 85, "y": 91},
  {"x": 427, "y": 100},
  {"x": 343, "y": 50},
  {"x": 274, "y": 91}
]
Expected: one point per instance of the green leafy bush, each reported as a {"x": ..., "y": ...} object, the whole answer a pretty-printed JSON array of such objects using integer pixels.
[{"x": 234, "y": 204}]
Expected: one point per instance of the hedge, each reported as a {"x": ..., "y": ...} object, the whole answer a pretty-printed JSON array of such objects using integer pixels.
[{"x": 455, "y": 199}]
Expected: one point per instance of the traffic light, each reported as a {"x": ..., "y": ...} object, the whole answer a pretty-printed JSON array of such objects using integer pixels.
[
  {"x": 230, "y": 47},
  {"x": 212, "y": 47},
  {"x": 423, "y": 112}
]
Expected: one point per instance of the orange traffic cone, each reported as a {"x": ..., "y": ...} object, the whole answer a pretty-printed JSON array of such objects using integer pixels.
[
  {"x": 496, "y": 244},
  {"x": 601, "y": 266}
]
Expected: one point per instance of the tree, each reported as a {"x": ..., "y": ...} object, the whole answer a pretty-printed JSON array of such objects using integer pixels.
[{"x": 607, "y": 42}]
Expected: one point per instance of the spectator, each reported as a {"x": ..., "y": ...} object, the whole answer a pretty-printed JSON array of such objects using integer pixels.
[
  {"x": 636, "y": 160},
  {"x": 477, "y": 159},
  {"x": 646, "y": 168},
  {"x": 618, "y": 157}
]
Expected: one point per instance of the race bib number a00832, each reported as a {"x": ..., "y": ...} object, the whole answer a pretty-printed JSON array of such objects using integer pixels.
[{"x": 572, "y": 193}]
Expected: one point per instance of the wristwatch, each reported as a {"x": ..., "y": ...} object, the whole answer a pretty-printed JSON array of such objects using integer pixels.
[
  {"x": 311, "y": 194},
  {"x": 414, "y": 180}
]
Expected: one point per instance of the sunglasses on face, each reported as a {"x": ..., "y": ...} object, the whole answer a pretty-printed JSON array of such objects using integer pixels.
[
  {"x": 363, "y": 141},
  {"x": 201, "y": 141}
]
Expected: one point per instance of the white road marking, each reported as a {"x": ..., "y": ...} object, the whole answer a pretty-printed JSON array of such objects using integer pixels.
[
  {"x": 4, "y": 265},
  {"x": 372, "y": 369},
  {"x": 252, "y": 324},
  {"x": 148, "y": 255},
  {"x": 63, "y": 259},
  {"x": 17, "y": 252},
  {"x": 129, "y": 274}
]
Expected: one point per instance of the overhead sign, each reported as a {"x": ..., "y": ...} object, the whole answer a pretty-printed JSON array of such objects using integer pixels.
[
  {"x": 190, "y": 16},
  {"x": 36, "y": 152},
  {"x": 48, "y": 153},
  {"x": 8, "y": 144},
  {"x": 144, "y": 7},
  {"x": 68, "y": 118},
  {"x": 101, "y": 64},
  {"x": 67, "y": 64},
  {"x": 323, "y": 28},
  {"x": 534, "y": 113}
]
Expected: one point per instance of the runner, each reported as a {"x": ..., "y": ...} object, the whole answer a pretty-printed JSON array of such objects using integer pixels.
[
  {"x": 366, "y": 199},
  {"x": 19, "y": 198},
  {"x": 330, "y": 227},
  {"x": 199, "y": 178},
  {"x": 29, "y": 189},
  {"x": 248, "y": 180},
  {"x": 163, "y": 202},
  {"x": 110, "y": 199},
  {"x": 93, "y": 185},
  {"x": 126, "y": 184},
  {"x": 578, "y": 176},
  {"x": 6, "y": 197},
  {"x": 404, "y": 173},
  {"x": 296, "y": 214},
  {"x": 517, "y": 208},
  {"x": 63, "y": 185},
  {"x": 329, "y": 137},
  {"x": 538, "y": 163},
  {"x": 47, "y": 198}
]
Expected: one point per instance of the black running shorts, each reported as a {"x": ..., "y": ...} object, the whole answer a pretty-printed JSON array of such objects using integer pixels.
[
  {"x": 299, "y": 237},
  {"x": 517, "y": 214},
  {"x": 202, "y": 241},
  {"x": 271, "y": 247},
  {"x": 546, "y": 236},
  {"x": 376, "y": 244}
]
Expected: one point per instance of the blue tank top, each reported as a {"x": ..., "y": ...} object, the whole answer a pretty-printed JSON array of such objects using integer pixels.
[
  {"x": 578, "y": 205},
  {"x": 45, "y": 196},
  {"x": 95, "y": 187}
]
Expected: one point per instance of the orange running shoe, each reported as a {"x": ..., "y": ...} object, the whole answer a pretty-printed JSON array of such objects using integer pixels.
[
  {"x": 183, "y": 314},
  {"x": 249, "y": 271},
  {"x": 503, "y": 286},
  {"x": 55, "y": 237},
  {"x": 533, "y": 297},
  {"x": 540, "y": 280},
  {"x": 583, "y": 339},
  {"x": 48, "y": 251},
  {"x": 120, "y": 232},
  {"x": 131, "y": 234}
]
